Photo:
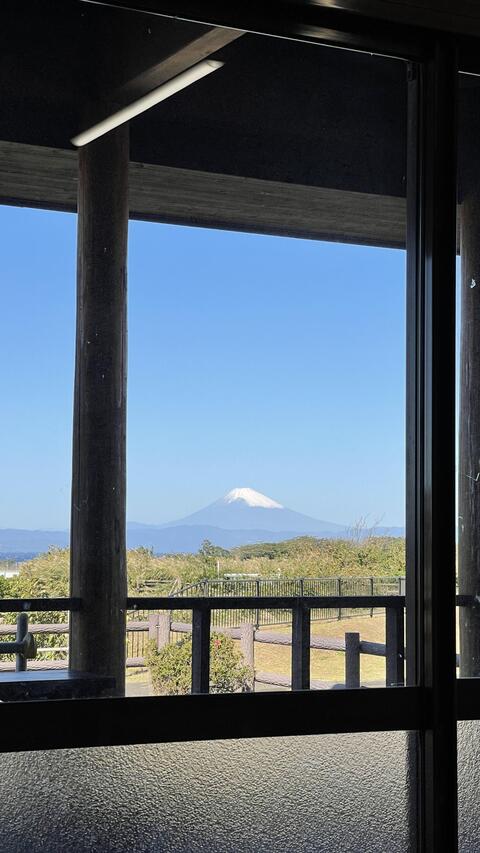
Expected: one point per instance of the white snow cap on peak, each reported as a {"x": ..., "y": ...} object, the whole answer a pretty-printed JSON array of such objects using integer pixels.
[{"x": 251, "y": 498}]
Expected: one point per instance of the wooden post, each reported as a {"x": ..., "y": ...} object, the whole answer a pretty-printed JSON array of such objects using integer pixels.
[
  {"x": 164, "y": 621},
  {"x": 247, "y": 647},
  {"x": 22, "y": 629},
  {"x": 153, "y": 627},
  {"x": 394, "y": 646},
  {"x": 257, "y": 612},
  {"x": 352, "y": 659},
  {"x": 201, "y": 650},
  {"x": 98, "y": 557},
  {"x": 300, "y": 648},
  {"x": 247, "y": 643},
  {"x": 469, "y": 426}
]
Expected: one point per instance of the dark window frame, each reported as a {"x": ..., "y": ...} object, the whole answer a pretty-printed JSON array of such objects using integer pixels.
[{"x": 433, "y": 700}]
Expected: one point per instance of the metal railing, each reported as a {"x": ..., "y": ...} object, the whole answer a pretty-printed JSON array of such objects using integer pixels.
[
  {"x": 23, "y": 646},
  {"x": 301, "y": 587}
]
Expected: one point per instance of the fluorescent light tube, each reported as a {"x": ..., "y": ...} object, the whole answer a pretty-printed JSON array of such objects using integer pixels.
[{"x": 176, "y": 84}]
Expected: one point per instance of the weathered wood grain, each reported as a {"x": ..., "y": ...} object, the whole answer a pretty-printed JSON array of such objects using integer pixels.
[
  {"x": 33, "y": 176},
  {"x": 98, "y": 574}
]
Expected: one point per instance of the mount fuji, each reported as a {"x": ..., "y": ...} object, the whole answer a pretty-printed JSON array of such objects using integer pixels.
[
  {"x": 241, "y": 517},
  {"x": 246, "y": 509}
]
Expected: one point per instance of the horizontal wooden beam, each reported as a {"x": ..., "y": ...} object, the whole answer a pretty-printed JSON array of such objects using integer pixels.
[
  {"x": 265, "y": 207},
  {"x": 35, "y": 176}
]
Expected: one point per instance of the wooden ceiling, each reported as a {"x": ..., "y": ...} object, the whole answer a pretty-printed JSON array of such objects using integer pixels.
[{"x": 287, "y": 138}]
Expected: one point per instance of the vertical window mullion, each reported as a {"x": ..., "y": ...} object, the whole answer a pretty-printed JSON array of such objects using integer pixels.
[{"x": 431, "y": 432}]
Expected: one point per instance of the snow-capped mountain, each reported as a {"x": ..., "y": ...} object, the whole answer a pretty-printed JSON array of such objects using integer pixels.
[
  {"x": 246, "y": 509},
  {"x": 242, "y": 517},
  {"x": 251, "y": 498}
]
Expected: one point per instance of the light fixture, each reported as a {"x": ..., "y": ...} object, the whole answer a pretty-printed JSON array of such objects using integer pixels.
[{"x": 176, "y": 84}]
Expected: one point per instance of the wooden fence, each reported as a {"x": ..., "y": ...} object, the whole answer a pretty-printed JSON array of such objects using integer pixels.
[{"x": 160, "y": 626}]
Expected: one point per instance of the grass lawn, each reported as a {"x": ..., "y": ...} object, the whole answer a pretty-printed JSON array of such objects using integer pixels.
[{"x": 325, "y": 665}]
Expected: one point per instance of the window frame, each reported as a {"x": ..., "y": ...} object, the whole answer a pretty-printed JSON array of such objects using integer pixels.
[{"x": 434, "y": 699}]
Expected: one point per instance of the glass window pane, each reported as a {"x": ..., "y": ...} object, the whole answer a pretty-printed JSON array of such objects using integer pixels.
[
  {"x": 267, "y": 373},
  {"x": 266, "y": 433},
  {"x": 468, "y": 786},
  {"x": 344, "y": 793}
]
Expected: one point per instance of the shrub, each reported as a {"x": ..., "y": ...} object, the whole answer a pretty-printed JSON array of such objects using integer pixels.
[{"x": 170, "y": 667}]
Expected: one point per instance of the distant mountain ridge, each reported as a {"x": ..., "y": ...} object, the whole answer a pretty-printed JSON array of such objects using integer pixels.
[{"x": 241, "y": 517}]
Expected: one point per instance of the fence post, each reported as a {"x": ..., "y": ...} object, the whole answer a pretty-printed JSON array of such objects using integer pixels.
[
  {"x": 201, "y": 650},
  {"x": 257, "y": 613},
  {"x": 394, "y": 641},
  {"x": 300, "y": 647},
  {"x": 352, "y": 659},
  {"x": 153, "y": 627},
  {"x": 372, "y": 593},
  {"x": 164, "y": 621},
  {"x": 247, "y": 647},
  {"x": 22, "y": 630},
  {"x": 339, "y": 593}
]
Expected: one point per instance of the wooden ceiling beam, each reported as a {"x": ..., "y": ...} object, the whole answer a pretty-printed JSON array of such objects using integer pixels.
[
  {"x": 34, "y": 176},
  {"x": 195, "y": 51},
  {"x": 153, "y": 74}
]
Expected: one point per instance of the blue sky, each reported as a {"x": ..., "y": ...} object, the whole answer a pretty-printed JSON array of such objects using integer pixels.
[{"x": 253, "y": 361}]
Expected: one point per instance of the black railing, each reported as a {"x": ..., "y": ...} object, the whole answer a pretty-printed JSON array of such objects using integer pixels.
[
  {"x": 281, "y": 587},
  {"x": 39, "y": 605},
  {"x": 23, "y": 646}
]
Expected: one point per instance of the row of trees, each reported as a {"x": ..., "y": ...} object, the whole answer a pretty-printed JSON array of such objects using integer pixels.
[{"x": 47, "y": 574}]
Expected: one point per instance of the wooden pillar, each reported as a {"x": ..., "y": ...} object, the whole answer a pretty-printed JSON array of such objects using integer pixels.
[
  {"x": 22, "y": 629},
  {"x": 98, "y": 556},
  {"x": 301, "y": 647},
  {"x": 247, "y": 647},
  {"x": 394, "y": 646},
  {"x": 164, "y": 621},
  {"x": 469, "y": 427},
  {"x": 352, "y": 659},
  {"x": 201, "y": 619},
  {"x": 247, "y": 643}
]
